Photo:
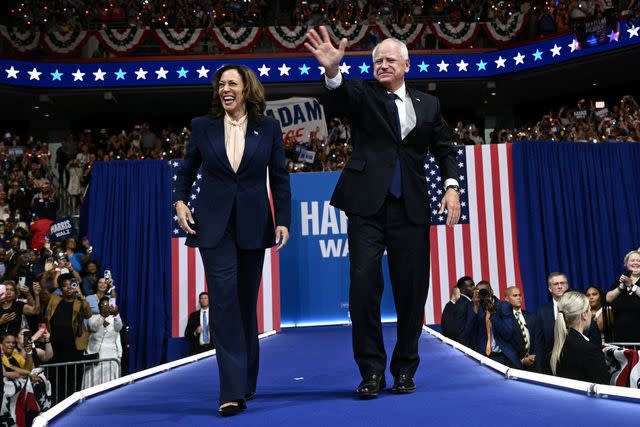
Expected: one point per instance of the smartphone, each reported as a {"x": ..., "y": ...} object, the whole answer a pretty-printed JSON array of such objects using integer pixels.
[
  {"x": 107, "y": 274},
  {"x": 3, "y": 290},
  {"x": 26, "y": 337},
  {"x": 112, "y": 302},
  {"x": 42, "y": 326},
  {"x": 22, "y": 281}
]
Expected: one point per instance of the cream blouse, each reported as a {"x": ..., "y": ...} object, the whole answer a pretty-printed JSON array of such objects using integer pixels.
[{"x": 234, "y": 135}]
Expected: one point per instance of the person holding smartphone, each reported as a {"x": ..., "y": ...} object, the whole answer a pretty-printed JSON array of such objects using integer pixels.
[
  {"x": 104, "y": 339},
  {"x": 11, "y": 310},
  {"x": 624, "y": 298}
]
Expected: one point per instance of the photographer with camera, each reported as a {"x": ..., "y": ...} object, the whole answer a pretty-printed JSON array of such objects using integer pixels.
[
  {"x": 456, "y": 311},
  {"x": 11, "y": 310},
  {"x": 104, "y": 287},
  {"x": 64, "y": 318},
  {"x": 491, "y": 326}
]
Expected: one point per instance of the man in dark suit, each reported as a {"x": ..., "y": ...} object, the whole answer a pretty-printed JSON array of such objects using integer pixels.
[
  {"x": 546, "y": 317},
  {"x": 456, "y": 311},
  {"x": 491, "y": 326},
  {"x": 524, "y": 329},
  {"x": 383, "y": 191},
  {"x": 197, "y": 331}
]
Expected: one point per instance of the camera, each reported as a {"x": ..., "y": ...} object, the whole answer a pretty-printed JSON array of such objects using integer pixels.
[
  {"x": 484, "y": 295},
  {"x": 74, "y": 284}
]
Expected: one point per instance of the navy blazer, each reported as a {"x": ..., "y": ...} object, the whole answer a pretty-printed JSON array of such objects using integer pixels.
[
  {"x": 454, "y": 320},
  {"x": 581, "y": 360},
  {"x": 221, "y": 188},
  {"x": 501, "y": 328}
]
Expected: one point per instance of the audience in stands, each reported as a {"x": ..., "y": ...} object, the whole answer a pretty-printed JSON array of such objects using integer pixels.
[
  {"x": 600, "y": 313},
  {"x": 573, "y": 355},
  {"x": 624, "y": 298},
  {"x": 104, "y": 343},
  {"x": 524, "y": 329}
]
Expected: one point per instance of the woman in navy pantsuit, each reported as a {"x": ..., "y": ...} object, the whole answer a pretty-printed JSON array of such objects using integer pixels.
[{"x": 234, "y": 148}]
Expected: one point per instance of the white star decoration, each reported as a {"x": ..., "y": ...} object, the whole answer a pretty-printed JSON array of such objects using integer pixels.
[
  {"x": 574, "y": 45},
  {"x": 99, "y": 75},
  {"x": 34, "y": 74},
  {"x": 141, "y": 74},
  {"x": 500, "y": 62},
  {"x": 442, "y": 66},
  {"x": 284, "y": 70},
  {"x": 555, "y": 50},
  {"x": 264, "y": 70},
  {"x": 344, "y": 68},
  {"x": 12, "y": 73},
  {"x": 519, "y": 58},
  {"x": 203, "y": 72},
  {"x": 462, "y": 66},
  {"x": 161, "y": 73},
  {"x": 78, "y": 75},
  {"x": 633, "y": 31}
]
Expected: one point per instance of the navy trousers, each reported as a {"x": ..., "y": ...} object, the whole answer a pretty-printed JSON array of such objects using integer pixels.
[{"x": 233, "y": 279}]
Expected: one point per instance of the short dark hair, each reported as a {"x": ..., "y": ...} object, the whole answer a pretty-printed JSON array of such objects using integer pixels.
[
  {"x": 203, "y": 293},
  {"x": 103, "y": 299},
  {"x": 253, "y": 91},
  {"x": 463, "y": 280},
  {"x": 64, "y": 277}
]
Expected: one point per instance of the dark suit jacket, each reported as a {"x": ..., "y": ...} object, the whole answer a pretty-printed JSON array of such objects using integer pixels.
[
  {"x": 544, "y": 337},
  {"x": 454, "y": 320},
  {"x": 190, "y": 329},
  {"x": 222, "y": 188},
  {"x": 517, "y": 340},
  {"x": 501, "y": 328},
  {"x": 581, "y": 360},
  {"x": 364, "y": 182}
]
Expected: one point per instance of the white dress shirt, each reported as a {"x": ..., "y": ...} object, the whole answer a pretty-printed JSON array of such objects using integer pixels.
[{"x": 406, "y": 112}]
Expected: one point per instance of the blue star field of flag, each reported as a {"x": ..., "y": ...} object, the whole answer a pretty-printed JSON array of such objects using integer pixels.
[
  {"x": 435, "y": 187},
  {"x": 176, "y": 231},
  {"x": 279, "y": 69}
]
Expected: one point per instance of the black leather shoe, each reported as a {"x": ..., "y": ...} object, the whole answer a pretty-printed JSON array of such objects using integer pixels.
[
  {"x": 403, "y": 384},
  {"x": 371, "y": 386},
  {"x": 231, "y": 410},
  {"x": 249, "y": 396}
]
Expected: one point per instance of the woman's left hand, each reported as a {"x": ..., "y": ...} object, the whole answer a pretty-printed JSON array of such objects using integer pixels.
[{"x": 282, "y": 236}]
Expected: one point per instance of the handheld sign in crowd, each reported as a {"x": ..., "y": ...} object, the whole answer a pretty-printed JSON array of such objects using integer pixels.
[
  {"x": 301, "y": 119},
  {"x": 62, "y": 229},
  {"x": 580, "y": 114},
  {"x": 602, "y": 113}
]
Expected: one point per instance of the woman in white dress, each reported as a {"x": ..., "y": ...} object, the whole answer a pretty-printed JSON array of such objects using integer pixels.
[
  {"x": 104, "y": 341},
  {"x": 74, "y": 188}
]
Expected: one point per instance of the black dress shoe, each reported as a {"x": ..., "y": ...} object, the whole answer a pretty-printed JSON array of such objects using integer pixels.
[
  {"x": 249, "y": 396},
  {"x": 231, "y": 410},
  {"x": 403, "y": 384},
  {"x": 371, "y": 386}
]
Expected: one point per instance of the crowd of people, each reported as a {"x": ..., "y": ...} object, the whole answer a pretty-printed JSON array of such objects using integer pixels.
[
  {"x": 545, "y": 341},
  {"x": 69, "y": 15}
]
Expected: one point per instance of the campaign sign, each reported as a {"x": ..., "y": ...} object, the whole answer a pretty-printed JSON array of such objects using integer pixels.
[
  {"x": 62, "y": 229},
  {"x": 314, "y": 266}
]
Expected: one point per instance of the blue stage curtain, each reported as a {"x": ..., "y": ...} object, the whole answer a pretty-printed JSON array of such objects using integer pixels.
[
  {"x": 129, "y": 223},
  {"x": 577, "y": 210}
]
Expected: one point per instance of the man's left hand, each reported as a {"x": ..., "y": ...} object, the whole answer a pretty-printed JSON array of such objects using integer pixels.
[
  {"x": 282, "y": 236},
  {"x": 451, "y": 202}
]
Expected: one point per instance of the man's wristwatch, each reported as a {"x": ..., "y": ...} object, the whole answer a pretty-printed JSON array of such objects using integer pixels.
[
  {"x": 621, "y": 286},
  {"x": 634, "y": 288},
  {"x": 453, "y": 187}
]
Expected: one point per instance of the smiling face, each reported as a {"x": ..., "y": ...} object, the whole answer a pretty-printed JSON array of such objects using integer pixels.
[
  {"x": 633, "y": 263},
  {"x": 389, "y": 67},
  {"x": 231, "y": 92}
]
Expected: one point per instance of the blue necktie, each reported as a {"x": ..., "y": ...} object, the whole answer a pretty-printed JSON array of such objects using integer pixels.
[
  {"x": 395, "y": 188},
  {"x": 205, "y": 328}
]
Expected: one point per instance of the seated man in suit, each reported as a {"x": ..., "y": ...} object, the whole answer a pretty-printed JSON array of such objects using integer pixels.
[
  {"x": 456, "y": 311},
  {"x": 197, "y": 331},
  {"x": 491, "y": 325},
  {"x": 546, "y": 320},
  {"x": 524, "y": 327}
]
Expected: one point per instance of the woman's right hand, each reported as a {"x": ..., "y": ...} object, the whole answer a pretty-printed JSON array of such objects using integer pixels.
[{"x": 184, "y": 217}]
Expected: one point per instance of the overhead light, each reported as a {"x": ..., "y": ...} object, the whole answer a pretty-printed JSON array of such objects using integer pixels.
[
  {"x": 493, "y": 93},
  {"x": 37, "y": 107},
  {"x": 47, "y": 115},
  {"x": 595, "y": 84}
]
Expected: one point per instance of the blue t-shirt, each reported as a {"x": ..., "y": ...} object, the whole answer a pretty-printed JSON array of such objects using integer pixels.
[{"x": 75, "y": 261}]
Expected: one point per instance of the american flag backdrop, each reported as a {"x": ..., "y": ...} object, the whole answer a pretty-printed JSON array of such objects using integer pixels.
[
  {"x": 188, "y": 279},
  {"x": 484, "y": 244}
]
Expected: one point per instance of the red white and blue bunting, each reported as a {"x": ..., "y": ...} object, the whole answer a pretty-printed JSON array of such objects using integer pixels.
[
  {"x": 287, "y": 38},
  {"x": 65, "y": 43},
  {"x": 410, "y": 34},
  {"x": 353, "y": 33},
  {"x": 504, "y": 33},
  {"x": 459, "y": 35},
  {"x": 179, "y": 41},
  {"x": 22, "y": 42},
  {"x": 122, "y": 42},
  {"x": 236, "y": 40}
]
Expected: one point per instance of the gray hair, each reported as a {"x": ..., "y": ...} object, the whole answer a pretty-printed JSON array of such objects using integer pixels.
[
  {"x": 403, "y": 48},
  {"x": 627, "y": 256}
]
